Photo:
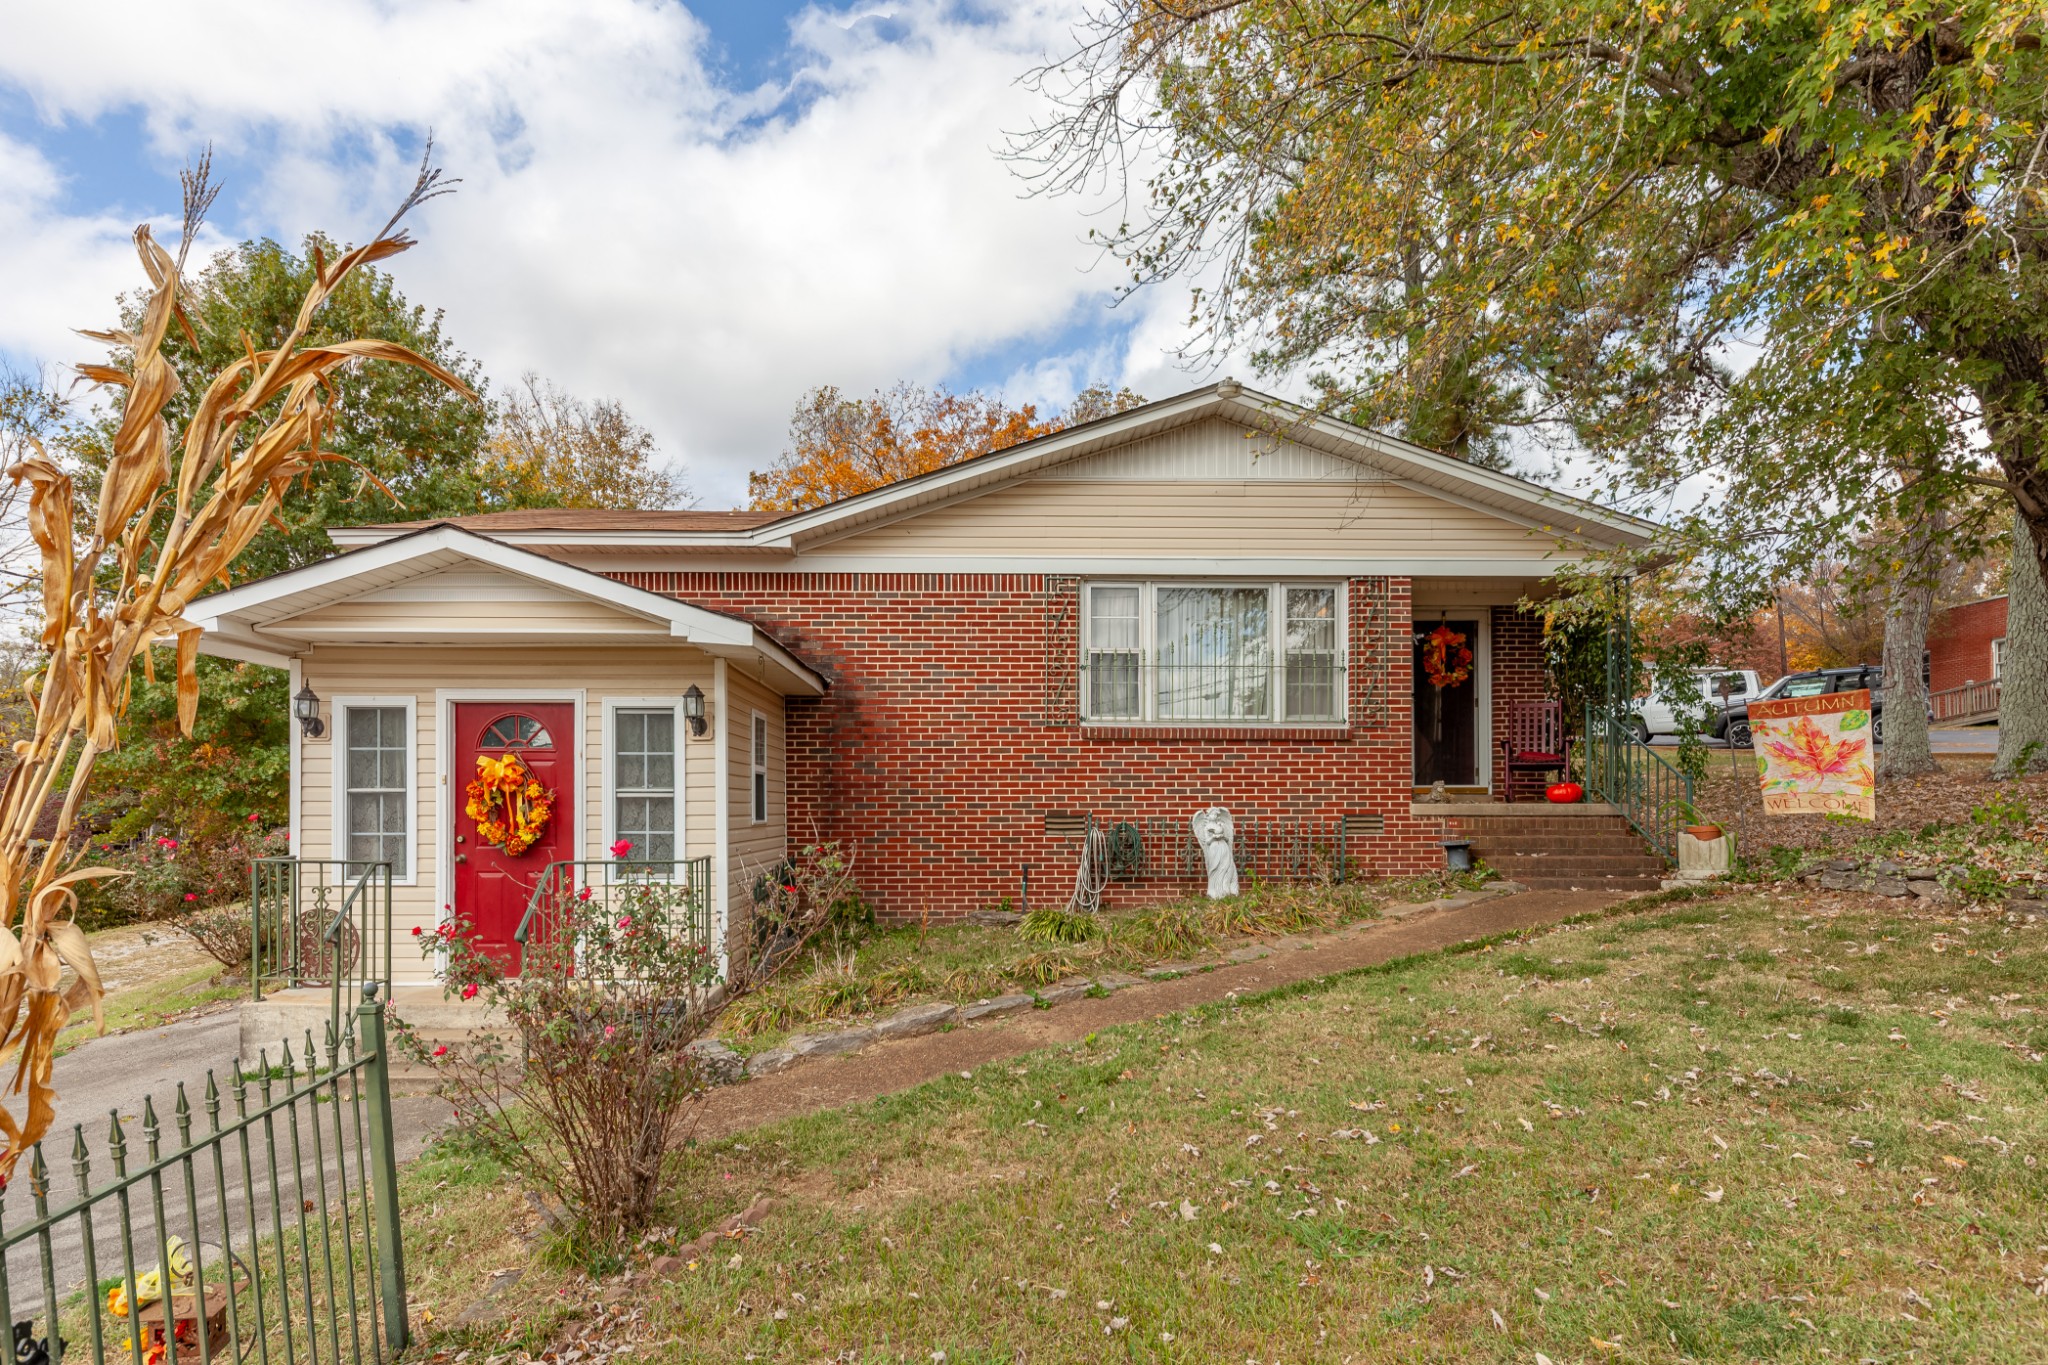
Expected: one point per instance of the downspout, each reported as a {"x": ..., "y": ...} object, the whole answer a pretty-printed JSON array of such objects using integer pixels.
[{"x": 721, "y": 811}]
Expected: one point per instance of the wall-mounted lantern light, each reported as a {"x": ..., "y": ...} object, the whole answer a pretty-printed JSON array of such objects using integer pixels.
[
  {"x": 306, "y": 709},
  {"x": 693, "y": 710}
]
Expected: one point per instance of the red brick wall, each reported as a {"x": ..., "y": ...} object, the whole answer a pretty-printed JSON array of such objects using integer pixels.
[
  {"x": 1517, "y": 676},
  {"x": 950, "y": 731},
  {"x": 1959, "y": 643}
]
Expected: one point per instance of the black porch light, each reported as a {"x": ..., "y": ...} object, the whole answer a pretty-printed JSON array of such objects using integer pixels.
[
  {"x": 693, "y": 710},
  {"x": 306, "y": 710}
]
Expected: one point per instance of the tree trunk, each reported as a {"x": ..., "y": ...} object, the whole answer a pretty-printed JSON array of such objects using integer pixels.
[
  {"x": 2023, "y": 668},
  {"x": 1909, "y": 604}
]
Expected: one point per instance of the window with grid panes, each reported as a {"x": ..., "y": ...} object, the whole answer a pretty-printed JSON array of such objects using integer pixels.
[
  {"x": 376, "y": 742},
  {"x": 644, "y": 782},
  {"x": 1213, "y": 653}
]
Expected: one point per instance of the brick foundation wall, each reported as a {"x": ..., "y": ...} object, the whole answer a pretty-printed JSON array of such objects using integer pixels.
[
  {"x": 950, "y": 732},
  {"x": 1959, "y": 643}
]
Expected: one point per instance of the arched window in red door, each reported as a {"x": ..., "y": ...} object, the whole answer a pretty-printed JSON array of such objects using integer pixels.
[{"x": 516, "y": 732}]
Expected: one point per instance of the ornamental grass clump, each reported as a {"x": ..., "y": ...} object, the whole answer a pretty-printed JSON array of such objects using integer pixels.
[
  {"x": 584, "y": 1084},
  {"x": 174, "y": 512}
]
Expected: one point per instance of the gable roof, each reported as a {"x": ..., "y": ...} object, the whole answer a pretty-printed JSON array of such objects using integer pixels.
[
  {"x": 1386, "y": 456},
  {"x": 254, "y": 621}
]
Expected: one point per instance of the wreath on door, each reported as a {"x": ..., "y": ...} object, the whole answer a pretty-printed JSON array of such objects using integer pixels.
[
  {"x": 510, "y": 806},
  {"x": 1446, "y": 661}
]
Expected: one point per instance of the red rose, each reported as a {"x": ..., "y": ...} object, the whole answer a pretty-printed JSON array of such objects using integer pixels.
[{"x": 415, "y": 931}]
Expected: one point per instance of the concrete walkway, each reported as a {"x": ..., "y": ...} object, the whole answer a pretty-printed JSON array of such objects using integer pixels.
[
  {"x": 114, "y": 1075},
  {"x": 853, "y": 1078}
]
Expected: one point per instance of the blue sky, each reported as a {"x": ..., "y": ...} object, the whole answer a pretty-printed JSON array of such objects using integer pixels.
[{"x": 701, "y": 210}]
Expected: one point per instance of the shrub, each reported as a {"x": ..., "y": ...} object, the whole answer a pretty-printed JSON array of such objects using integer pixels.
[
  {"x": 1051, "y": 925},
  {"x": 169, "y": 875},
  {"x": 223, "y": 931},
  {"x": 610, "y": 996}
]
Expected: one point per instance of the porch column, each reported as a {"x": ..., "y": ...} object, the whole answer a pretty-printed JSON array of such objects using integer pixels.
[{"x": 721, "y": 805}]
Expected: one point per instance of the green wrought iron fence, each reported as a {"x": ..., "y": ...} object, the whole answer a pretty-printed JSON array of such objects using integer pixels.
[
  {"x": 1652, "y": 793},
  {"x": 675, "y": 892},
  {"x": 320, "y": 922},
  {"x": 272, "y": 1232}
]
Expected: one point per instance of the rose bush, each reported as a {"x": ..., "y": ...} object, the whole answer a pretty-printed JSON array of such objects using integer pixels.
[{"x": 583, "y": 1080}]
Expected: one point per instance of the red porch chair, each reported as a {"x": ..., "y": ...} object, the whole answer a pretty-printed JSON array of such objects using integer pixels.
[{"x": 1535, "y": 744}]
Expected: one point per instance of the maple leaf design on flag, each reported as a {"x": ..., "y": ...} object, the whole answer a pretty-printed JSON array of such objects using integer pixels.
[{"x": 1812, "y": 753}]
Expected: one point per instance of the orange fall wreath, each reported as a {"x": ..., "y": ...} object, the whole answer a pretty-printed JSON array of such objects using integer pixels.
[
  {"x": 510, "y": 808},
  {"x": 1445, "y": 659}
]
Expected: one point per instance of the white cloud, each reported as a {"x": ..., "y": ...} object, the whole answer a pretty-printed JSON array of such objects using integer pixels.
[{"x": 626, "y": 225}]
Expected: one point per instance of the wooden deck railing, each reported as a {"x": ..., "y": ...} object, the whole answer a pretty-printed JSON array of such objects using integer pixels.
[{"x": 1971, "y": 699}]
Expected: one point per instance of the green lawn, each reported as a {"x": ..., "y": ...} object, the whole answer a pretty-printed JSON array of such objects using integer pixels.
[
  {"x": 964, "y": 962},
  {"x": 1734, "y": 1131},
  {"x": 148, "y": 1005}
]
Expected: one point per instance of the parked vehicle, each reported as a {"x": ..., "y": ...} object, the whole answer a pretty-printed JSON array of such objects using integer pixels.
[
  {"x": 1719, "y": 688},
  {"x": 1733, "y": 723}
]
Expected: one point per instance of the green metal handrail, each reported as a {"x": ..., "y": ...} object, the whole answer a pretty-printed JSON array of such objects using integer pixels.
[
  {"x": 564, "y": 884},
  {"x": 319, "y": 921},
  {"x": 1652, "y": 794}
]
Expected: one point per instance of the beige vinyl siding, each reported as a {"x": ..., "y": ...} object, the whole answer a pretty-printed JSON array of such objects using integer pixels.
[
  {"x": 1203, "y": 519},
  {"x": 469, "y": 601},
  {"x": 512, "y": 673},
  {"x": 754, "y": 849}
]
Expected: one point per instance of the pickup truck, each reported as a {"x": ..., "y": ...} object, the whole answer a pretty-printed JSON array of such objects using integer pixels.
[
  {"x": 1718, "y": 688},
  {"x": 1733, "y": 723}
]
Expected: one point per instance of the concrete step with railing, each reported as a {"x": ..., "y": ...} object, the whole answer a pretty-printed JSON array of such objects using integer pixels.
[{"x": 429, "y": 1014}]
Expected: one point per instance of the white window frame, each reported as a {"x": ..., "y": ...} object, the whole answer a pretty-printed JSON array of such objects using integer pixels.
[
  {"x": 338, "y": 827},
  {"x": 1997, "y": 658},
  {"x": 609, "y": 778},
  {"x": 757, "y": 769},
  {"x": 1148, "y": 653}
]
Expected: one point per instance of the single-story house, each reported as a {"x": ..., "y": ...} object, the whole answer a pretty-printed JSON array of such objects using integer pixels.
[{"x": 1217, "y": 599}]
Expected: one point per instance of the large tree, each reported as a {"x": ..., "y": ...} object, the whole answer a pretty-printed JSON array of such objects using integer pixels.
[
  {"x": 1646, "y": 217},
  {"x": 553, "y": 449},
  {"x": 840, "y": 446},
  {"x": 413, "y": 448}
]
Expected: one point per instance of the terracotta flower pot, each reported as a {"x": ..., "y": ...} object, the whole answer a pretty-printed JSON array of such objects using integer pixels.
[{"x": 1704, "y": 832}]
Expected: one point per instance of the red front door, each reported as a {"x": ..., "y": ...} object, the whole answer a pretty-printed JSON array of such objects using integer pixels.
[{"x": 492, "y": 886}]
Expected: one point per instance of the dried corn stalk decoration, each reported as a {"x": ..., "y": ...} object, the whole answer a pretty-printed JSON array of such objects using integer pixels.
[{"x": 173, "y": 516}]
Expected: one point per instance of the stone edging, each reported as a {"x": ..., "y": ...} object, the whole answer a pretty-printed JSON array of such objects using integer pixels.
[{"x": 724, "y": 1066}]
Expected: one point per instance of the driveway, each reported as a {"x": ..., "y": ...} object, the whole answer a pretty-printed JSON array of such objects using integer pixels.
[{"x": 114, "y": 1075}]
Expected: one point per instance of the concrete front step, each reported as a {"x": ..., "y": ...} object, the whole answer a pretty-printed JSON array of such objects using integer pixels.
[{"x": 290, "y": 1014}]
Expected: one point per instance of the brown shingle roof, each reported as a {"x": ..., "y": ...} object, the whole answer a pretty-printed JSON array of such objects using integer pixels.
[{"x": 598, "y": 519}]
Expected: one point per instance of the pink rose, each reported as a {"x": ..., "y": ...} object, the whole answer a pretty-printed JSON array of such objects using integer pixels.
[
  {"x": 625, "y": 921},
  {"x": 469, "y": 991},
  {"x": 609, "y": 1030},
  {"x": 584, "y": 894},
  {"x": 254, "y": 817},
  {"x": 191, "y": 895},
  {"x": 622, "y": 848},
  {"x": 441, "y": 1051}
]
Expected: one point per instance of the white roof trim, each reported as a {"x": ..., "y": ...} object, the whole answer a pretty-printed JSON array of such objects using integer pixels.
[
  {"x": 1440, "y": 475},
  {"x": 235, "y": 621}
]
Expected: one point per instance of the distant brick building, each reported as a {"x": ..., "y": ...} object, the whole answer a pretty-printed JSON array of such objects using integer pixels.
[{"x": 1963, "y": 644}]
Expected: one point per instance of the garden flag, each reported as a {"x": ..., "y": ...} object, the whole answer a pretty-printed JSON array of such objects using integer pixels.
[{"x": 1813, "y": 754}]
